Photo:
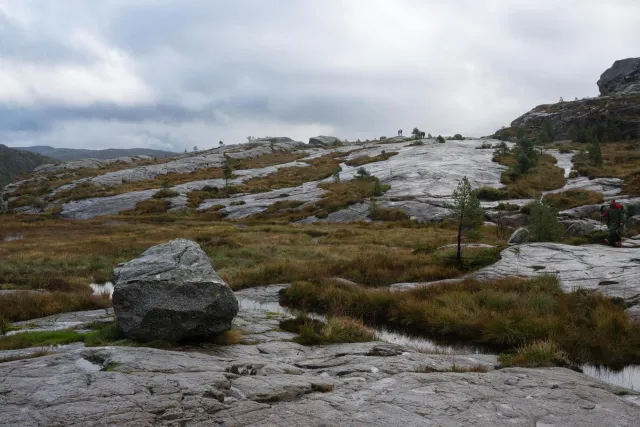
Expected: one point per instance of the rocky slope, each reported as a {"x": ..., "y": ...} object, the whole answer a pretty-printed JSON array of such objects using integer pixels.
[
  {"x": 614, "y": 115},
  {"x": 68, "y": 154},
  {"x": 14, "y": 162},
  {"x": 270, "y": 381}
]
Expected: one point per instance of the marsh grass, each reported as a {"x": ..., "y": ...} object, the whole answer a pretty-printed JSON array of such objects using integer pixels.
[
  {"x": 545, "y": 176},
  {"x": 508, "y": 314},
  {"x": 365, "y": 160},
  {"x": 334, "y": 330},
  {"x": 25, "y": 306},
  {"x": 573, "y": 198},
  {"x": 538, "y": 354}
]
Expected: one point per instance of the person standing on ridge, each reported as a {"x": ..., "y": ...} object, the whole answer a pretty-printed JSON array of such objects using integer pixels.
[{"x": 615, "y": 216}]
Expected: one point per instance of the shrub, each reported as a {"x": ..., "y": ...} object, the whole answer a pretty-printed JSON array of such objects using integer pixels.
[
  {"x": 573, "y": 198},
  {"x": 165, "y": 193},
  {"x": 335, "y": 330},
  {"x": 458, "y": 137},
  {"x": 489, "y": 193},
  {"x": 440, "y": 139}
]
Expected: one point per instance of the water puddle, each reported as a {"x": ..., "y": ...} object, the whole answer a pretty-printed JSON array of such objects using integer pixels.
[
  {"x": 13, "y": 237},
  {"x": 102, "y": 289},
  {"x": 384, "y": 334},
  {"x": 628, "y": 377}
]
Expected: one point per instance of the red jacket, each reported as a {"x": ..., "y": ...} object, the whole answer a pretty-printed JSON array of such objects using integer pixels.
[{"x": 617, "y": 206}]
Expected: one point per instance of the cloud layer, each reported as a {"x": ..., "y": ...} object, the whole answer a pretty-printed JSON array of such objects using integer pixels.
[{"x": 172, "y": 74}]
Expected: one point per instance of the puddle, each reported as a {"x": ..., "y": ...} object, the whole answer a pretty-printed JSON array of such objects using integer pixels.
[
  {"x": 13, "y": 237},
  {"x": 102, "y": 289},
  {"x": 628, "y": 377},
  {"x": 386, "y": 335}
]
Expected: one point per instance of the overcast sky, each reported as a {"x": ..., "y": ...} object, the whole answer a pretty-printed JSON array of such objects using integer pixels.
[{"x": 172, "y": 74}]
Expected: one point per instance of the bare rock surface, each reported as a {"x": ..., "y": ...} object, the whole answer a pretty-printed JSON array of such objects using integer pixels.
[
  {"x": 623, "y": 77},
  {"x": 171, "y": 292},
  {"x": 281, "y": 383},
  {"x": 272, "y": 381}
]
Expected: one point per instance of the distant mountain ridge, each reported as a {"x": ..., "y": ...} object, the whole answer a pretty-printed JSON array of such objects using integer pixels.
[
  {"x": 14, "y": 162},
  {"x": 66, "y": 154}
]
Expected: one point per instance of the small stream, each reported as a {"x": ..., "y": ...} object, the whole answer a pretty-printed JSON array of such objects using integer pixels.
[{"x": 628, "y": 377}]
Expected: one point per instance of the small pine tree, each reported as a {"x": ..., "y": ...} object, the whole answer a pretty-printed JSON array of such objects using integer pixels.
[
  {"x": 544, "y": 223},
  {"x": 336, "y": 174},
  {"x": 377, "y": 188},
  {"x": 227, "y": 171},
  {"x": 195, "y": 148},
  {"x": 466, "y": 211},
  {"x": 572, "y": 133},
  {"x": 547, "y": 127},
  {"x": 595, "y": 152},
  {"x": 362, "y": 173},
  {"x": 185, "y": 151},
  {"x": 431, "y": 137},
  {"x": 440, "y": 139},
  {"x": 416, "y": 133}
]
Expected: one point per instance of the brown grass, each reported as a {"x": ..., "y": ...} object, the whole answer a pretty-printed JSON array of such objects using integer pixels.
[
  {"x": 25, "y": 306},
  {"x": 508, "y": 313},
  {"x": 544, "y": 177},
  {"x": 364, "y": 160},
  {"x": 621, "y": 160},
  {"x": 573, "y": 198}
]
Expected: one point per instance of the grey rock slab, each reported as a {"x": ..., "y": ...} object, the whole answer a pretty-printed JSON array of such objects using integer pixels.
[
  {"x": 323, "y": 141},
  {"x": 614, "y": 272},
  {"x": 171, "y": 292},
  {"x": 101, "y": 206},
  {"x": 73, "y": 320}
]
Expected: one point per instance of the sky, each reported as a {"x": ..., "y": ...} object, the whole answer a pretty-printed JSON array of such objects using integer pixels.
[{"x": 174, "y": 74}]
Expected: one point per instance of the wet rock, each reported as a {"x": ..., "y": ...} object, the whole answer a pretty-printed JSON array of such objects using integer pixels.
[
  {"x": 516, "y": 220},
  {"x": 586, "y": 267},
  {"x": 633, "y": 222},
  {"x": 623, "y": 77},
  {"x": 520, "y": 236},
  {"x": 138, "y": 386},
  {"x": 324, "y": 141},
  {"x": 172, "y": 293}
]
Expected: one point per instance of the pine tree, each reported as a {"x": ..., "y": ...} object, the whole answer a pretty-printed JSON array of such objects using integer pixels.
[
  {"x": 440, "y": 139},
  {"x": 547, "y": 127},
  {"x": 573, "y": 133},
  {"x": 595, "y": 152},
  {"x": 227, "y": 171},
  {"x": 544, "y": 223},
  {"x": 466, "y": 211}
]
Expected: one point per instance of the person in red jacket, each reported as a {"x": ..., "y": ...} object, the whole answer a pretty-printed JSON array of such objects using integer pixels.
[{"x": 615, "y": 216}]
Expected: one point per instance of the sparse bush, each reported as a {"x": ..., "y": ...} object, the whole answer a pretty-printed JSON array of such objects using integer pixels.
[
  {"x": 165, "y": 193},
  {"x": 458, "y": 137},
  {"x": 440, "y": 139},
  {"x": 335, "y": 330},
  {"x": 539, "y": 354},
  {"x": 490, "y": 193}
]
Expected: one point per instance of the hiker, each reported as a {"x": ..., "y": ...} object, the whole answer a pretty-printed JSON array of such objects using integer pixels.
[
  {"x": 616, "y": 217},
  {"x": 400, "y": 132}
]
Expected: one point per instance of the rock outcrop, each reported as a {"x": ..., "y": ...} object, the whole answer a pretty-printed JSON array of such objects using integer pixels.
[
  {"x": 520, "y": 236},
  {"x": 623, "y": 77},
  {"x": 323, "y": 141},
  {"x": 172, "y": 293},
  {"x": 614, "y": 115}
]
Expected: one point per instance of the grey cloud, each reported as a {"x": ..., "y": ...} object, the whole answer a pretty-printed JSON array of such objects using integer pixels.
[{"x": 215, "y": 66}]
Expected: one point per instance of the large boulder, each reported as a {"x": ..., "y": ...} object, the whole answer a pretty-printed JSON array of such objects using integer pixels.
[
  {"x": 323, "y": 141},
  {"x": 622, "y": 77},
  {"x": 172, "y": 293},
  {"x": 582, "y": 227},
  {"x": 520, "y": 236}
]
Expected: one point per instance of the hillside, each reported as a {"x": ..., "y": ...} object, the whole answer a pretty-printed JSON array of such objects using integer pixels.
[
  {"x": 15, "y": 162},
  {"x": 613, "y": 116},
  {"x": 67, "y": 154}
]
